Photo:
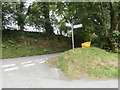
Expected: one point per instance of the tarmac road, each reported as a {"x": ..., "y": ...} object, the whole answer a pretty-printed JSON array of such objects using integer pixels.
[{"x": 32, "y": 72}]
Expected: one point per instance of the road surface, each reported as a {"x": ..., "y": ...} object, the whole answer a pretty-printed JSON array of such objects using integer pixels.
[{"x": 32, "y": 72}]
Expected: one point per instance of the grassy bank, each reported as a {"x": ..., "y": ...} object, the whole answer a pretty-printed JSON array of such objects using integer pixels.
[
  {"x": 87, "y": 62},
  {"x": 16, "y": 44}
]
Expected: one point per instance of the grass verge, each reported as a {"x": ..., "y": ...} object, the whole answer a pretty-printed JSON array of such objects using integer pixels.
[
  {"x": 91, "y": 62},
  {"x": 26, "y": 50},
  {"x": 29, "y": 44}
]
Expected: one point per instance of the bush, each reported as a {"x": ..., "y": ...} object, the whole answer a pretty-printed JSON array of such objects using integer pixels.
[
  {"x": 114, "y": 41},
  {"x": 101, "y": 41}
]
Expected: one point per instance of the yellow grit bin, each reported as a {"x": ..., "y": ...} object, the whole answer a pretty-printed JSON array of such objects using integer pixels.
[{"x": 86, "y": 44}]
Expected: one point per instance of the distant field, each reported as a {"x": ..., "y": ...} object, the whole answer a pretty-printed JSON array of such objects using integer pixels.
[
  {"x": 19, "y": 44},
  {"x": 88, "y": 62}
]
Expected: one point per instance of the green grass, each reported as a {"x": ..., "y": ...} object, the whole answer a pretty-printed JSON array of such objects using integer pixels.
[
  {"x": 92, "y": 62},
  {"x": 26, "y": 50},
  {"x": 28, "y": 46}
]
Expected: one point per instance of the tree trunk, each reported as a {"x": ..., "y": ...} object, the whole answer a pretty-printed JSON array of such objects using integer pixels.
[
  {"x": 104, "y": 24},
  {"x": 119, "y": 22},
  {"x": 117, "y": 27},
  {"x": 114, "y": 25},
  {"x": 112, "y": 19}
]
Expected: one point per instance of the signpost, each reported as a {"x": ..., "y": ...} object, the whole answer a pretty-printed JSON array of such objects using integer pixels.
[
  {"x": 72, "y": 27},
  {"x": 77, "y": 26}
]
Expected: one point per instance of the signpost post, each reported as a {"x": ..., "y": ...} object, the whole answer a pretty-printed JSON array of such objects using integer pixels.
[
  {"x": 72, "y": 27},
  {"x": 72, "y": 36}
]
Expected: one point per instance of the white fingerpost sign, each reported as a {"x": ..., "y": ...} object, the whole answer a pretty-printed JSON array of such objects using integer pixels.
[
  {"x": 72, "y": 27},
  {"x": 68, "y": 24},
  {"x": 77, "y": 26}
]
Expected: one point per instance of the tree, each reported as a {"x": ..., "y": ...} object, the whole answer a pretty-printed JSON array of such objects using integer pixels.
[
  {"x": 47, "y": 24},
  {"x": 97, "y": 18},
  {"x": 39, "y": 16},
  {"x": 7, "y": 14},
  {"x": 20, "y": 15},
  {"x": 14, "y": 13}
]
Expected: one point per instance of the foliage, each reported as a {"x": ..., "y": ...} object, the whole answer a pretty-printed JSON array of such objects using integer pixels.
[
  {"x": 13, "y": 12},
  {"x": 38, "y": 16},
  {"x": 7, "y": 13},
  {"x": 98, "y": 18},
  {"x": 115, "y": 40}
]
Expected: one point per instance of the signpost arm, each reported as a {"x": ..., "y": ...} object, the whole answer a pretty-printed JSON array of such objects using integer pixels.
[{"x": 72, "y": 37}]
